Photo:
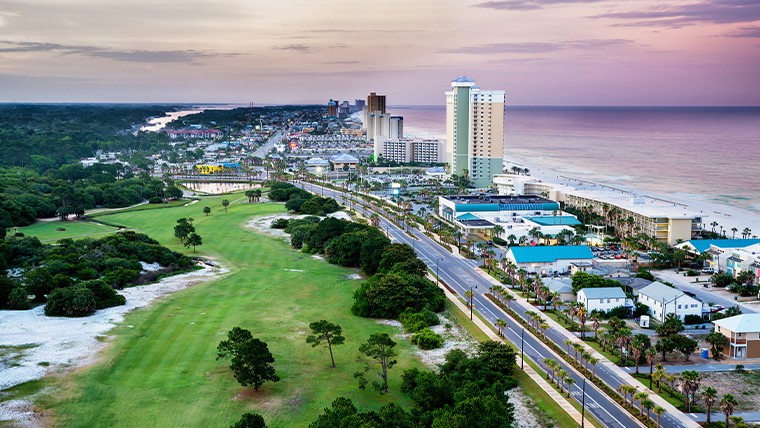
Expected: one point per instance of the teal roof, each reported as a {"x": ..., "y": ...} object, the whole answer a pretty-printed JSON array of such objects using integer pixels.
[
  {"x": 550, "y": 220},
  {"x": 545, "y": 206},
  {"x": 702, "y": 245},
  {"x": 468, "y": 216},
  {"x": 548, "y": 254}
]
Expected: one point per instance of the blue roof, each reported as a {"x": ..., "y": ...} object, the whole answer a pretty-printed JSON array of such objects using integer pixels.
[
  {"x": 702, "y": 245},
  {"x": 550, "y": 220},
  {"x": 468, "y": 216},
  {"x": 548, "y": 254}
]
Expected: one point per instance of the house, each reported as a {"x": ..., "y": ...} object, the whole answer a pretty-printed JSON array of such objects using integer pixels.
[
  {"x": 344, "y": 162},
  {"x": 663, "y": 299},
  {"x": 743, "y": 333},
  {"x": 546, "y": 260},
  {"x": 631, "y": 284},
  {"x": 603, "y": 298},
  {"x": 561, "y": 286}
]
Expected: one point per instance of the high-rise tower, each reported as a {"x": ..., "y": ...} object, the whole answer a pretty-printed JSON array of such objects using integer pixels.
[{"x": 474, "y": 131}]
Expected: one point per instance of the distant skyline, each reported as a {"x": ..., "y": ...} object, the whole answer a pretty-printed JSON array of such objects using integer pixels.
[{"x": 542, "y": 52}]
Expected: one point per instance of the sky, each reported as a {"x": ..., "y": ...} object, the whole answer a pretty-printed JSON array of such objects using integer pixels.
[{"x": 542, "y": 52}]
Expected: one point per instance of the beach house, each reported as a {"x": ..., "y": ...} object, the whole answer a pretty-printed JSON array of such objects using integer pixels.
[
  {"x": 603, "y": 299},
  {"x": 663, "y": 299},
  {"x": 743, "y": 333},
  {"x": 547, "y": 260},
  {"x": 562, "y": 286}
]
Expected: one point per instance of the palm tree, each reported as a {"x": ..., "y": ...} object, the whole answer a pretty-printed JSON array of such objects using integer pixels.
[
  {"x": 577, "y": 347},
  {"x": 570, "y": 381},
  {"x": 497, "y": 231},
  {"x": 648, "y": 404},
  {"x": 582, "y": 313},
  {"x": 623, "y": 340},
  {"x": 650, "y": 354},
  {"x": 637, "y": 347},
  {"x": 689, "y": 386},
  {"x": 593, "y": 361},
  {"x": 659, "y": 411},
  {"x": 746, "y": 232},
  {"x": 549, "y": 367},
  {"x": 733, "y": 235},
  {"x": 374, "y": 219},
  {"x": 596, "y": 322},
  {"x": 585, "y": 356},
  {"x": 568, "y": 343},
  {"x": 225, "y": 204},
  {"x": 508, "y": 297},
  {"x": 709, "y": 397},
  {"x": 727, "y": 405},
  {"x": 544, "y": 326},
  {"x": 640, "y": 397},
  {"x": 501, "y": 325}
]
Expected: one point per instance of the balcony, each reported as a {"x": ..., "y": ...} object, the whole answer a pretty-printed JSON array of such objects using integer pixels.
[{"x": 738, "y": 341}]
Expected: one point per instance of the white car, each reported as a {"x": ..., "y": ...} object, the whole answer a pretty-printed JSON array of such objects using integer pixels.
[{"x": 709, "y": 270}]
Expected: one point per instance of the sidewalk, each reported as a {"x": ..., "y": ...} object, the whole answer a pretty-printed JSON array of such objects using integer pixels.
[
  {"x": 603, "y": 361},
  {"x": 539, "y": 379}
]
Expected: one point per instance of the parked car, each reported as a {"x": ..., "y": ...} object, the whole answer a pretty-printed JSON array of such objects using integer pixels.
[{"x": 709, "y": 270}]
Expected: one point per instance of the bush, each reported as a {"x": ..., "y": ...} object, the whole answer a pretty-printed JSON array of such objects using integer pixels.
[
  {"x": 498, "y": 241},
  {"x": 692, "y": 319},
  {"x": 280, "y": 223},
  {"x": 417, "y": 321},
  {"x": 105, "y": 295},
  {"x": 155, "y": 200},
  {"x": 645, "y": 274},
  {"x": 76, "y": 301},
  {"x": 692, "y": 272},
  {"x": 384, "y": 296},
  {"x": 18, "y": 299},
  {"x": 427, "y": 339}
]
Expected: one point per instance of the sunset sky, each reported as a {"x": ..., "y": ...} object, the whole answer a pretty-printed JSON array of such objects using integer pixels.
[{"x": 543, "y": 52}]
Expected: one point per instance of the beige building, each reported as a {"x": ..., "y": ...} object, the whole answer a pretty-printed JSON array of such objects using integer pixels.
[
  {"x": 474, "y": 131},
  {"x": 411, "y": 150},
  {"x": 743, "y": 333}
]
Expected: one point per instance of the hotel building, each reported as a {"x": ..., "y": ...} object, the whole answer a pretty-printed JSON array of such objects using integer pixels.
[
  {"x": 411, "y": 150},
  {"x": 474, "y": 131}
]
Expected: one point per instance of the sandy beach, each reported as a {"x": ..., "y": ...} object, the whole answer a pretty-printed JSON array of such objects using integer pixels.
[
  {"x": 55, "y": 344},
  {"x": 725, "y": 215}
]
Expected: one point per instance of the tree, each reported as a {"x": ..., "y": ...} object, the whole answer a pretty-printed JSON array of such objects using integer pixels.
[
  {"x": 689, "y": 386},
  {"x": 671, "y": 325},
  {"x": 501, "y": 325},
  {"x": 658, "y": 411},
  {"x": 207, "y": 211},
  {"x": 650, "y": 354},
  {"x": 225, "y": 204},
  {"x": 193, "y": 240},
  {"x": 251, "y": 361},
  {"x": 324, "y": 331},
  {"x": 380, "y": 349},
  {"x": 637, "y": 347},
  {"x": 727, "y": 405},
  {"x": 709, "y": 397},
  {"x": 183, "y": 228},
  {"x": 684, "y": 345},
  {"x": 250, "y": 420},
  {"x": 717, "y": 343}
]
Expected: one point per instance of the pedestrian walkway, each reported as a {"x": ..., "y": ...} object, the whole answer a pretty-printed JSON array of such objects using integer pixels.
[
  {"x": 603, "y": 361},
  {"x": 539, "y": 379}
]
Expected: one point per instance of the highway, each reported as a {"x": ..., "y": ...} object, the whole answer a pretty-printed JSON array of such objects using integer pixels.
[{"x": 461, "y": 275}]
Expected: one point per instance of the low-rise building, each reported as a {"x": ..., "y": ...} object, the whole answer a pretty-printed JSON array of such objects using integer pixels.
[
  {"x": 663, "y": 300},
  {"x": 344, "y": 162},
  {"x": 547, "y": 260},
  {"x": 562, "y": 286},
  {"x": 603, "y": 299},
  {"x": 743, "y": 333},
  {"x": 317, "y": 165}
]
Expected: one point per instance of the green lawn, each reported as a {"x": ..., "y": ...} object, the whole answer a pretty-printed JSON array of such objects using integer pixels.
[
  {"x": 142, "y": 207},
  {"x": 161, "y": 368},
  {"x": 46, "y": 230}
]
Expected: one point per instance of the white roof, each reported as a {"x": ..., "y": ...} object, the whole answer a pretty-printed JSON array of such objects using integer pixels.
[
  {"x": 603, "y": 293},
  {"x": 745, "y": 323},
  {"x": 559, "y": 285},
  {"x": 659, "y": 291}
]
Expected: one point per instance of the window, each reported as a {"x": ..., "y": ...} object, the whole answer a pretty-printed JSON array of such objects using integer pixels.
[
  {"x": 679, "y": 306},
  {"x": 608, "y": 300}
]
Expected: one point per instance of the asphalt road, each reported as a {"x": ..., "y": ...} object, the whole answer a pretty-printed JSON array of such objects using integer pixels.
[
  {"x": 704, "y": 294},
  {"x": 461, "y": 275}
]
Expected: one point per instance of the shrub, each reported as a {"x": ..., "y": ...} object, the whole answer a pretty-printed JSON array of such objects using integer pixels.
[
  {"x": 105, "y": 295},
  {"x": 692, "y": 319},
  {"x": 498, "y": 241},
  {"x": 155, "y": 200},
  {"x": 76, "y": 301},
  {"x": 427, "y": 339},
  {"x": 692, "y": 272},
  {"x": 417, "y": 321},
  {"x": 18, "y": 299},
  {"x": 280, "y": 223}
]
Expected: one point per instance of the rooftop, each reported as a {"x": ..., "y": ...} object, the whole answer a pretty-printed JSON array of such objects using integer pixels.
[
  {"x": 548, "y": 254},
  {"x": 558, "y": 285},
  {"x": 491, "y": 202},
  {"x": 603, "y": 293},
  {"x": 344, "y": 158},
  {"x": 745, "y": 323},
  {"x": 567, "y": 220},
  {"x": 660, "y": 291},
  {"x": 702, "y": 245}
]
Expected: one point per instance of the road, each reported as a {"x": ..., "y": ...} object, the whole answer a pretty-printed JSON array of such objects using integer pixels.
[
  {"x": 704, "y": 294},
  {"x": 705, "y": 368},
  {"x": 461, "y": 275},
  {"x": 267, "y": 147}
]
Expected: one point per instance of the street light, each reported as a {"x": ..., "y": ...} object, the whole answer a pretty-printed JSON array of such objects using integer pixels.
[
  {"x": 437, "y": 278},
  {"x": 583, "y": 404},
  {"x": 472, "y": 296}
]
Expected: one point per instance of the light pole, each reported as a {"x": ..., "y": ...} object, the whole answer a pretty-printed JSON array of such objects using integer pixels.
[
  {"x": 522, "y": 348},
  {"x": 472, "y": 296},
  {"x": 583, "y": 404},
  {"x": 437, "y": 278}
]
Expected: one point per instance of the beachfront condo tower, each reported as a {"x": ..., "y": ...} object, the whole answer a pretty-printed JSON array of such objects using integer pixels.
[{"x": 474, "y": 131}]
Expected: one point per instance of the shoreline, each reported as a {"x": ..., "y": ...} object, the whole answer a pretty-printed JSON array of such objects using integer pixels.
[{"x": 60, "y": 345}]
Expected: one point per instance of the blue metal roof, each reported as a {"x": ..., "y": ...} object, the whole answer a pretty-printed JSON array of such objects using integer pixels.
[
  {"x": 702, "y": 245},
  {"x": 548, "y": 220},
  {"x": 548, "y": 254}
]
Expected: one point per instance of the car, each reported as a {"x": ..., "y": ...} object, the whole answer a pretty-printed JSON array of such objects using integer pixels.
[
  {"x": 709, "y": 270},
  {"x": 728, "y": 288}
]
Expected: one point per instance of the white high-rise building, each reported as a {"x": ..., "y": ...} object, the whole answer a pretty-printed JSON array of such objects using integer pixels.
[{"x": 474, "y": 131}]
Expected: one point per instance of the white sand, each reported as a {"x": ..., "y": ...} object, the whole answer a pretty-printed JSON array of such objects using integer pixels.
[
  {"x": 66, "y": 343},
  {"x": 725, "y": 215}
]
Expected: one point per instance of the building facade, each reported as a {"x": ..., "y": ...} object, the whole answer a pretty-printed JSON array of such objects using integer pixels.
[
  {"x": 663, "y": 300},
  {"x": 474, "y": 131},
  {"x": 396, "y": 127},
  {"x": 602, "y": 299},
  {"x": 743, "y": 333},
  {"x": 411, "y": 150}
]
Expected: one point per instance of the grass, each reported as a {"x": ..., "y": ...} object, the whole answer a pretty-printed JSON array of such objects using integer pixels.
[
  {"x": 46, "y": 231},
  {"x": 607, "y": 354},
  {"x": 11, "y": 356},
  {"x": 664, "y": 393},
  {"x": 143, "y": 207},
  {"x": 163, "y": 371}
]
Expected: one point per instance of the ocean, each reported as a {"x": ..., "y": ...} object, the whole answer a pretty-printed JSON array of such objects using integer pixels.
[{"x": 709, "y": 154}]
